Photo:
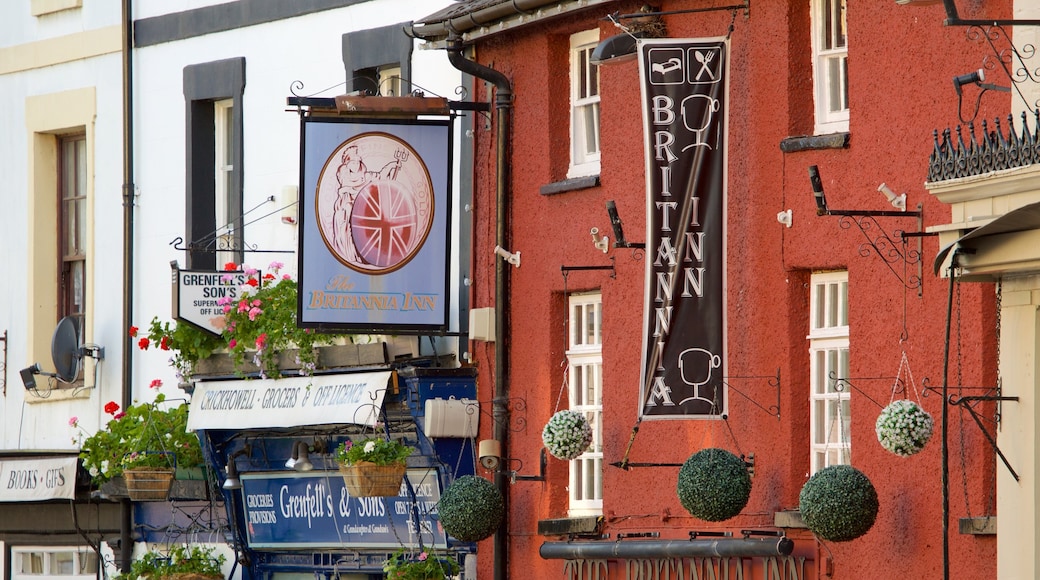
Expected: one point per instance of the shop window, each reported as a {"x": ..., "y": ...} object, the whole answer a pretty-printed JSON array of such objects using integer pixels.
[
  {"x": 213, "y": 213},
  {"x": 830, "y": 60},
  {"x": 830, "y": 403},
  {"x": 55, "y": 563},
  {"x": 584, "y": 105},
  {"x": 585, "y": 368}
]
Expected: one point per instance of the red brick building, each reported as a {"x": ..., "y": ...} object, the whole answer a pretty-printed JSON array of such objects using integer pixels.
[{"x": 817, "y": 313}]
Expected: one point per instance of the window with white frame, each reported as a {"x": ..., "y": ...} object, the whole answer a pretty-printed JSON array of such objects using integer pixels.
[
  {"x": 54, "y": 562},
  {"x": 584, "y": 105},
  {"x": 229, "y": 225},
  {"x": 829, "y": 363},
  {"x": 585, "y": 368},
  {"x": 830, "y": 66}
]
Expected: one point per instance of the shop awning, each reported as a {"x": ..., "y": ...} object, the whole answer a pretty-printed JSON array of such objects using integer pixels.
[
  {"x": 288, "y": 402},
  {"x": 629, "y": 549},
  {"x": 38, "y": 478},
  {"x": 1022, "y": 219}
]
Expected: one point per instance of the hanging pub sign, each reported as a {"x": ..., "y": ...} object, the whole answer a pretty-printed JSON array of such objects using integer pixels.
[
  {"x": 374, "y": 209},
  {"x": 197, "y": 294},
  {"x": 684, "y": 94}
]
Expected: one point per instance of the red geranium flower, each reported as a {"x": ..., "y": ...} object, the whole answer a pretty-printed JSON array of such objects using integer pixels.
[
  {"x": 230, "y": 267},
  {"x": 164, "y": 343},
  {"x": 252, "y": 282},
  {"x": 133, "y": 331},
  {"x": 261, "y": 340},
  {"x": 111, "y": 407},
  {"x": 119, "y": 415},
  {"x": 143, "y": 343}
]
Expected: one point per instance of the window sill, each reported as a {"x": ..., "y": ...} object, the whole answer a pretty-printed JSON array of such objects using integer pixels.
[
  {"x": 55, "y": 395},
  {"x": 814, "y": 142},
  {"x": 578, "y": 526},
  {"x": 789, "y": 519},
  {"x": 572, "y": 184}
]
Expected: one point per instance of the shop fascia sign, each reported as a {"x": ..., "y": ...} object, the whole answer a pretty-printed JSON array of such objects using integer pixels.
[{"x": 196, "y": 296}]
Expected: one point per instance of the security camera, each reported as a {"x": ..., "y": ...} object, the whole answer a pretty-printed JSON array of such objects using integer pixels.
[
  {"x": 506, "y": 255},
  {"x": 490, "y": 452}
]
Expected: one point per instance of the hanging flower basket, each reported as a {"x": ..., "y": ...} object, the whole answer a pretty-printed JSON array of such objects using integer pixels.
[
  {"x": 567, "y": 435},
  {"x": 367, "y": 479},
  {"x": 471, "y": 509},
  {"x": 714, "y": 485},
  {"x": 903, "y": 427},
  {"x": 148, "y": 483},
  {"x": 839, "y": 503}
]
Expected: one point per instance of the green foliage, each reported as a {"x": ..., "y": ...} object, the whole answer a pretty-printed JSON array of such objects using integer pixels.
[
  {"x": 714, "y": 485},
  {"x": 262, "y": 322},
  {"x": 425, "y": 566},
  {"x": 375, "y": 450},
  {"x": 839, "y": 503},
  {"x": 471, "y": 508},
  {"x": 180, "y": 560},
  {"x": 187, "y": 343},
  {"x": 145, "y": 435}
]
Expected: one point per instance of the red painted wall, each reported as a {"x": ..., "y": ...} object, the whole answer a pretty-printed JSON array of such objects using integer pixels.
[{"x": 901, "y": 62}]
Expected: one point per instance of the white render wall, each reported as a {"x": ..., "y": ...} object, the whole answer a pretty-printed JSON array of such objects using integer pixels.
[{"x": 307, "y": 49}]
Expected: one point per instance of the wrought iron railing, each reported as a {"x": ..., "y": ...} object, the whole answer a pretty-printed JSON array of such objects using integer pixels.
[{"x": 994, "y": 150}]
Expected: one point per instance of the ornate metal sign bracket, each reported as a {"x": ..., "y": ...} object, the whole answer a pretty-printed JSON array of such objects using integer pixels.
[{"x": 774, "y": 381}]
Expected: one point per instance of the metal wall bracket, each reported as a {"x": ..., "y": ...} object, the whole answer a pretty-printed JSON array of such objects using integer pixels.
[
  {"x": 774, "y": 381},
  {"x": 964, "y": 402}
]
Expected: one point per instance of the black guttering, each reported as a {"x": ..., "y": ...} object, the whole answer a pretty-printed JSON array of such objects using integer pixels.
[
  {"x": 714, "y": 548},
  {"x": 500, "y": 402}
]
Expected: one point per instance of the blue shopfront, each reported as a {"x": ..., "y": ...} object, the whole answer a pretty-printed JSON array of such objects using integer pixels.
[{"x": 270, "y": 447}]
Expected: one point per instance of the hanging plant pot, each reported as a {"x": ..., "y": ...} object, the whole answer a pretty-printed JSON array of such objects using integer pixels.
[
  {"x": 839, "y": 503},
  {"x": 471, "y": 509},
  {"x": 367, "y": 479},
  {"x": 567, "y": 435},
  {"x": 148, "y": 483},
  {"x": 903, "y": 427},
  {"x": 714, "y": 485}
]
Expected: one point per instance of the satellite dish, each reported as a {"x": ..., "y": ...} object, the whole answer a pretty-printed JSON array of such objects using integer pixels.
[{"x": 65, "y": 349}]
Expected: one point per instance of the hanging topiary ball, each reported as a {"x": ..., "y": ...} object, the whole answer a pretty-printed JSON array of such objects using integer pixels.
[
  {"x": 714, "y": 485},
  {"x": 567, "y": 434},
  {"x": 903, "y": 427},
  {"x": 839, "y": 503},
  {"x": 471, "y": 508}
]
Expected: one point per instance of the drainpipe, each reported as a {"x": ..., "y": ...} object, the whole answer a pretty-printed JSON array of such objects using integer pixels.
[
  {"x": 500, "y": 402},
  {"x": 125, "y": 509}
]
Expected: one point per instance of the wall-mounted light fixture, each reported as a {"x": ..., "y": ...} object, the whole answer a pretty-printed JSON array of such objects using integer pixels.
[
  {"x": 601, "y": 243},
  {"x": 615, "y": 49},
  {"x": 490, "y": 453},
  {"x": 232, "y": 481},
  {"x": 506, "y": 255},
  {"x": 300, "y": 459},
  {"x": 897, "y": 201}
]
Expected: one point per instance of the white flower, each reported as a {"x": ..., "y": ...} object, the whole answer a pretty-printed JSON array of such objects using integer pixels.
[
  {"x": 370, "y": 446},
  {"x": 903, "y": 427},
  {"x": 567, "y": 434}
]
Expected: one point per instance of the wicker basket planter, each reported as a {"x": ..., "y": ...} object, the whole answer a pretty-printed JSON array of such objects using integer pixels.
[
  {"x": 148, "y": 483},
  {"x": 367, "y": 479}
]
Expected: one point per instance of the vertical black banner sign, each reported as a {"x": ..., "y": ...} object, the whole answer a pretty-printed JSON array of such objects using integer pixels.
[{"x": 684, "y": 88}]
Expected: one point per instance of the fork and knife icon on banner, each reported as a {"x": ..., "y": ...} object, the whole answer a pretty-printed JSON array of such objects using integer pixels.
[{"x": 703, "y": 57}]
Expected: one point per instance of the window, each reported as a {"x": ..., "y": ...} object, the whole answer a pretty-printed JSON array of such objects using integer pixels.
[
  {"x": 829, "y": 361},
  {"x": 213, "y": 213},
  {"x": 229, "y": 225},
  {"x": 60, "y": 247},
  {"x": 384, "y": 81},
  {"x": 585, "y": 368},
  {"x": 830, "y": 60},
  {"x": 584, "y": 106},
  {"x": 72, "y": 192},
  {"x": 57, "y": 563}
]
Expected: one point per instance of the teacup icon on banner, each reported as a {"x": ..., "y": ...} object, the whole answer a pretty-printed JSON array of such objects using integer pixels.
[{"x": 695, "y": 369}]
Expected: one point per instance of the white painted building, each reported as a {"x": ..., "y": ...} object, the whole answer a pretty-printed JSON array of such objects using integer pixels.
[{"x": 209, "y": 120}]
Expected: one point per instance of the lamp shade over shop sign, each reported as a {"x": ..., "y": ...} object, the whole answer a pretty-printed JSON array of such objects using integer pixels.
[
  {"x": 37, "y": 479},
  {"x": 288, "y": 402}
]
